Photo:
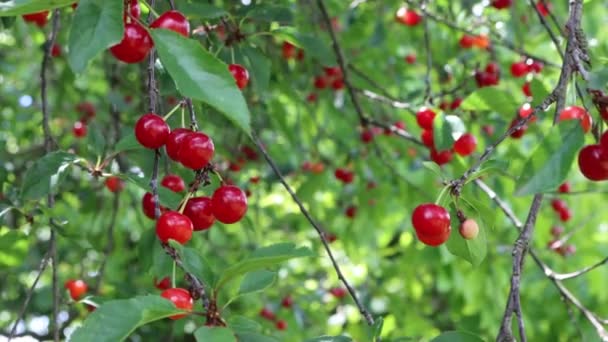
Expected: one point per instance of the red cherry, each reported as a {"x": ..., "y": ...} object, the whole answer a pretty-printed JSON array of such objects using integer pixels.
[
  {"x": 576, "y": 112},
  {"x": 249, "y": 153},
  {"x": 321, "y": 82},
  {"x": 151, "y": 131},
  {"x": 196, "y": 150},
  {"x": 229, "y": 204},
  {"x": 147, "y": 204},
  {"x": 135, "y": 44},
  {"x": 344, "y": 175},
  {"x": 558, "y": 205},
  {"x": 80, "y": 129},
  {"x": 556, "y": 231},
  {"x": 115, "y": 184},
  {"x": 410, "y": 58},
  {"x": 337, "y": 84},
  {"x": 38, "y": 18},
  {"x": 525, "y": 111},
  {"x": 174, "y": 183},
  {"x": 300, "y": 55},
  {"x": 281, "y": 325},
  {"x": 338, "y": 292},
  {"x": 407, "y": 16},
  {"x": 289, "y": 50},
  {"x": 488, "y": 130},
  {"x": 593, "y": 162},
  {"x": 312, "y": 97},
  {"x": 74, "y": 5},
  {"x": 174, "y": 21},
  {"x": 55, "y": 50},
  {"x": 604, "y": 142},
  {"x": 542, "y": 8},
  {"x": 240, "y": 74},
  {"x": 350, "y": 211},
  {"x": 254, "y": 179},
  {"x": 466, "y": 41},
  {"x": 518, "y": 133},
  {"x": 564, "y": 188},
  {"x": 444, "y": 105},
  {"x": 526, "y": 89},
  {"x": 86, "y": 108},
  {"x": 287, "y": 302},
  {"x": 425, "y": 117},
  {"x": 456, "y": 103},
  {"x": 268, "y": 314},
  {"x": 173, "y": 225},
  {"x": 441, "y": 157},
  {"x": 199, "y": 211},
  {"x": 181, "y": 299},
  {"x": 174, "y": 142},
  {"x": 163, "y": 284},
  {"x": 431, "y": 220},
  {"x": 330, "y": 237},
  {"x": 333, "y": 72},
  {"x": 519, "y": 69},
  {"x": 469, "y": 229},
  {"x": 77, "y": 288},
  {"x": 501, "y": 4},
  {"x": 367, "y": 136},
  {"x": 427, "y": 138},
  {"x": 465, "y": 145},
  {"x": 535, "y": 66},
  {"x": 492, "y": 68},
  {"x": 565, "y": 215},
  {"x": 486, "y": 79}
]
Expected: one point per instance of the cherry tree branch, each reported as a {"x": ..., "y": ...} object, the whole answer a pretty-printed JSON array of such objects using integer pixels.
[
  {"x": 110, "y": 244},
  {"x": 384, "y": 99},
  {"x": 566, "y": 276},
  {"x": 429, "y": 55},
  {"x": 364, "y": 312}
]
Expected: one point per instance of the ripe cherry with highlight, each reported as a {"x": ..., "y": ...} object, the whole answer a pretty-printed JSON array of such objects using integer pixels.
[
  {"x": 175, "y": 226},
  {"x": 229, "y": 204},
  {"x": 151, "y": 131},
  {"x": 181, "y": 299}
]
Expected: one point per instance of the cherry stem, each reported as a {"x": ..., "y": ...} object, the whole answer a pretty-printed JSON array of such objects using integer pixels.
[
  {"x": 183, "y": 205},
  {"x": 232, "y": 54},
  {"x": 442, "y": 195},
  {"x": 173, "y": 275},
  {"x": 183, "y": 117},
  {"x": 218, "y": 175},
  {"x": 173, "y": 110},
  {"x": 460, "y": 215}
]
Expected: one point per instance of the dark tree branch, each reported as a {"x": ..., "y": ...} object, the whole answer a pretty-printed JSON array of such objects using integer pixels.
[
  {"x": 342, "y": 64},
  {"x": 429, "y": 55},
  {"x": 368, "y": 317},
  {"x": 193, "y": 122}
]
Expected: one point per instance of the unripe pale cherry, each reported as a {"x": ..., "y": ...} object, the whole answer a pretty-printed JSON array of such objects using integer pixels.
[{"x": 469, "y": 229}]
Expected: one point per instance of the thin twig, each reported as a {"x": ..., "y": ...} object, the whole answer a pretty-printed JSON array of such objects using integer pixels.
[
  {"x": 429, "y": 55},
  {"x": 565, "y": 276},
  {"x": 368, "y": 317},
  {"x": 342, "y": 64},
  {"x": 380, "y": 98},
  {"x": 193, "y": 122}
]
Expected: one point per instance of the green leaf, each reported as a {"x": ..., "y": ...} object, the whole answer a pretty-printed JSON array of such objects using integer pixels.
[
  {"x": 45, "y": 175},
  {"x": 194, "y": 263},
  {"x": 166, "y": 197},
  {"x": 254, "y": 337},
  {"x": 257, "y": 281},
  {"x": 549, "y": 164},
  {"x": 214, "y": 334},
  {"x": 18, "y": 7},
  {"x": 493, "y": 99},
  {"x": 115, "y": 320},
  {"x": 259, "y": 67},
  {"x": 539, "y": 91},
  {"x": 330, "y": 339},
  {"x": 201, "y": 76},
  {"x": 200, "y": 11},
  {"x": 445, "y": 129},
  {"x": 95, "y": 140},
  {"x": 311, "y": 44},
  {"x": 474, "y": 251},
  {"x": 457, "y": 336},
  {"x": 262, "y": 258},
  {"x": 96, "y": 26},
  {"x": 13, "y": 247},
  {"x": 598, "y": 79},
  {"x": 270, "y": 12},
  {"x": 377, "y": 328},
  {"x": 242, "y": 324},
  {"x": 128, "y": 142}
]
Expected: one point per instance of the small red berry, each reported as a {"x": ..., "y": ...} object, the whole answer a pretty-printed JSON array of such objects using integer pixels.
[
  {"x": 564, "y": 188},
  {"x": 174, "y": 183},
  {"x": 287, "y": 302},
  {"x": 576, "y": 112},
  {"x": 196, "y": 150},
  {"x": 535, "y": 66},
  {"x": 519, "y": 69},
  {"x": 492, "y": 68},
  {"x": 135, "y": 45},
  {"x": 174, "y": 142},
  {"x": 38, "y": 18},
  {"x": 593, "y": 162},
  {"x": 240, "y": 74},
  {"x": 199, "y": 211},
  {"x": 410, "y": 58},
  {"x": 344, "y": 175},
  {"x": 427, "y": 138},
  {"x": 173, "y": 225},
  {"x": 425, "y": 117},
  {"x": 288, "y": 50},
  {"x": 115, "y": 184},
  {"x": 543, "y": 8},
  {"x": 338, "y": 292},
  {"x": 181, "y": 299},
  {"x": 151, "y": 131},
  {"x": 147, "y": 204},
  {"x": 350, "y": 211},
  {"x": 163, "y": 284},
  {"x": 367, "y": 136},
  {"x": 518, "y": 133},
  {"x": 558, "y": 205},
  {"x": 455, "y": 103},
  {"x": 281, "y": 325},
  {"x": 465, "y": 145},
  {"x": 431, "y": 220},
  {"x": 407, "y": 16},
  {"x": 312, "y": 97},
  {"x": 229, "y": 204},
  {"x": 441, "y": 157},
  {"x": 86, "y": 108},
  {"x": 321, "y": 82},
  {"x": 268, "y": 314},
  {"x": 80, "y": 129},
  {"x": 77, "y": 288},
  {"x": 556, "y": 231},
  {"x": 174, "y": 21},
  {"x": 466, "y": 41},
  {"x": 501, "y": 4},
  {"x": 337, "y": 84},
  {"x": 565, "y": 215},
  {"x": 526, "y": 89},
  {"x": 333, "y": 72},
  {"x": 55, "y": 50},
  {"x": 525, "y": 111}
]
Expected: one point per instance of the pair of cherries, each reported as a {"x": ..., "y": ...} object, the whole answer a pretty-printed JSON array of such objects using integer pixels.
[
  {"x": 464, "y": 145},
  {"x": 344, "y": 175},
  {"x": 87, "y": 109},
  {"x": 593, "y": 160},
  {"x": 522, "y": 68},
  {"x": 136, "y": 42},
  {"x": 332, "y": 76}
]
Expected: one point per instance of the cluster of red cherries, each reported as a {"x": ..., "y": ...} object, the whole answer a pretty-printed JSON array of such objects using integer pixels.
[
  {"x": 87, "y": 111},
  {"x": 565, "y": 214},
  {"x": 465, "y": 145},
  {"x": 432, "y": 225},
  {"x": 331, "y": 77}
]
